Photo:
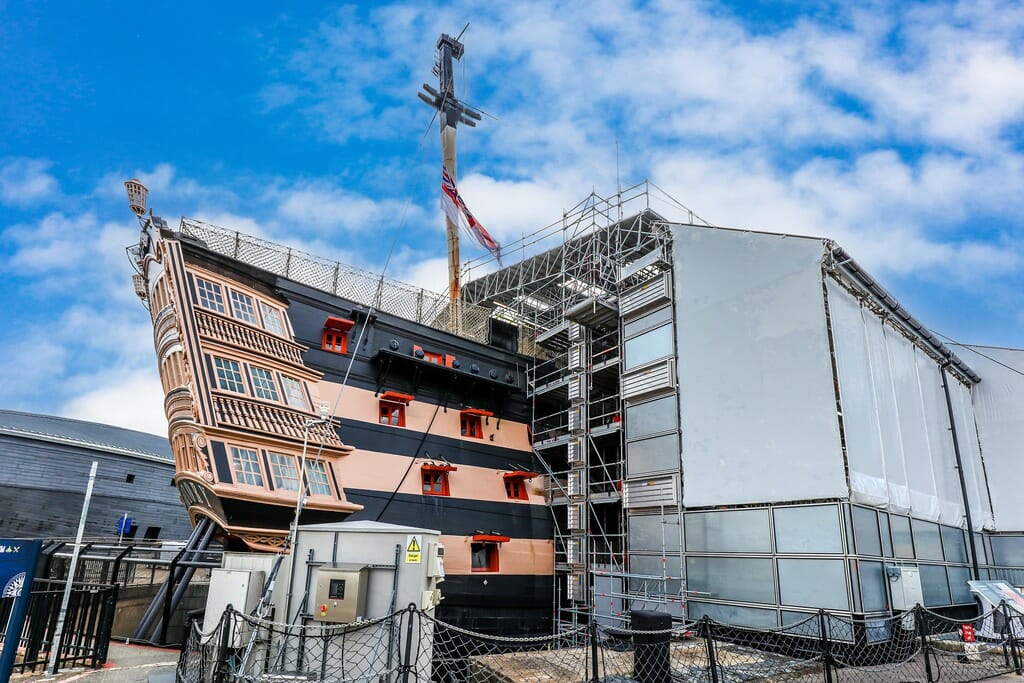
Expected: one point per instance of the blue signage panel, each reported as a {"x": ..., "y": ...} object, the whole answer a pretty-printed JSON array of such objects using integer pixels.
[
  {"x": 18, "y": 559},
  {"x": 124, "y": 524}
]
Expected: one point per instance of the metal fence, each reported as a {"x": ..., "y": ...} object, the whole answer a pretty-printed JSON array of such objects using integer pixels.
[
  {"x": 411, "y": 645},
  {"x": 87, "y": 625},
  {"x": 348, "y": 282}
]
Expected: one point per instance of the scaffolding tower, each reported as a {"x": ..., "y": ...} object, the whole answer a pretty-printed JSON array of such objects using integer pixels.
[{"x": 578, "y": 301}]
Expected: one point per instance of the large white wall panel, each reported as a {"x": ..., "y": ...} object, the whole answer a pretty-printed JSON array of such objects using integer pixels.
[
  {"x": 947, "y": 480},
  {"x": 755, "y": 379},
  {"x": 970, "y": 455},
  {"x": 856, "y": 387},
  {"x": 999, "y": 410},
  {"x": 917, "y": 455}
]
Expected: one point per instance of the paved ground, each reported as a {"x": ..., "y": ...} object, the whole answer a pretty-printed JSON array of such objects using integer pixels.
[{"x": 125, "y": 664}]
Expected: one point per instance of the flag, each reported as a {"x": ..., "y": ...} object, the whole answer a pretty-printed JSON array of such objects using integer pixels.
[{"x": 459, "y": 214}]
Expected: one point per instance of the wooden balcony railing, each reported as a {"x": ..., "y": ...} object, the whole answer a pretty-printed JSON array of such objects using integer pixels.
[
  {"x": 243, "y": 336},
  {"x": 235, "y": 412}
]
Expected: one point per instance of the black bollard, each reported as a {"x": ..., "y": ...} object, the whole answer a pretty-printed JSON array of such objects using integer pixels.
[{"x": 651, "y": 654}]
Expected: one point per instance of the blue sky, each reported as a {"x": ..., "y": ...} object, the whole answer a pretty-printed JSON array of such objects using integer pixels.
[{"x": 895, "y": 128}]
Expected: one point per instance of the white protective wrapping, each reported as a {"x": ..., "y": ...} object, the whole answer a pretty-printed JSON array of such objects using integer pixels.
[
  {"x": 970, "y": 455},
  {"x": 756, "y": 393},
  {"x": 899, "y": 449},
  {"x": 999, "y": 411}
]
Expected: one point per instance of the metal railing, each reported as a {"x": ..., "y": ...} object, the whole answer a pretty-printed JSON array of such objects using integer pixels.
[
  {"x": 410, "y": 645},
  {"x": 87, "y": 624}
]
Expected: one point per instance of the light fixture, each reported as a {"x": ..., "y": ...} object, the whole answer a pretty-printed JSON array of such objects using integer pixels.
[{"x": 137, "y": 195}]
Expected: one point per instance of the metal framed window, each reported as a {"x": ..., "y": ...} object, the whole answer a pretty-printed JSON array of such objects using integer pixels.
[
  {"x": 283, "y": 471},
  {"x": 209, "y": 295},
  {"x": 246, "y": 465},
  {"x": 263, "y": 384},
  {"x": 242, "y": 307},
  {"x": 272, "y": 319},
  {"x": 294, "y": 393},
  {"x": 316, "y": 478},
  {"x": 229, "y": 375}
]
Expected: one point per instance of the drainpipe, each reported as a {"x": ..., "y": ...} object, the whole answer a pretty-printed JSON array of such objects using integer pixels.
[{"x": 960, "y": 470}]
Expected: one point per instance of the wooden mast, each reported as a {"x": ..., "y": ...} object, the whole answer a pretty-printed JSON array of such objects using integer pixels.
[{"x": 452, "y": 113}]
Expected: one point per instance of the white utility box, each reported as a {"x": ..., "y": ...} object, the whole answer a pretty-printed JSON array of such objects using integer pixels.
[
  {"x": 905, "y": 587},
  {"x": 240, "y": 588},
  {"x": 340, "y": 593}
]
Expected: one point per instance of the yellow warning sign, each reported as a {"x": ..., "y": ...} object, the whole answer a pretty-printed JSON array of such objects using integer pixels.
[{"x": 413, "y": 549}]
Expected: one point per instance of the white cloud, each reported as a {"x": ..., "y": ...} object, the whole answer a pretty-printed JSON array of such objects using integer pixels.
[
  {"x": 130, "y": 399},
  {"x": 26, "y": 181}
]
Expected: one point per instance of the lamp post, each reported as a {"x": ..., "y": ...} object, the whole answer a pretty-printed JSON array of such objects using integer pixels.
[{"x": 301, "y": 500}]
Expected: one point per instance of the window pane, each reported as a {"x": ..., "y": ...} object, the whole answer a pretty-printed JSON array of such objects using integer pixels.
[
  {"x": 961, "y": 592},
  {"x": 813, "y": 529},
  {"x": 731, "y": 614},
  {"x": 813, "y": 583},
  {"x": 263, "y": 384},
  {"x": 902, "y": 543},
  {"x": 652, "y": 417},
  {"x": 883, "y": 524},
  {"x": 865, "y": 527},
  {"x": 954, "y": 544},
  {"x": 229, "y": 375},
  {"x": 934, "y": 585},
  {"x": 242, "y": 306},
  {"x": 293, "y": 390},
  {"x": 979, "y": 547},
  {"x": 926, "y": 540},
  {"x": 283, "y": 471},
  {"x": 652, "y": 565},
  {"x": 316, "y": 478},
  {"x": 660, "y": 454},
  {"x": 648, "y": 346},
  {"x": 247, "y": 466},
  {"x": 209, "y": 295},
  {"x": 646, "y": 322},
  {"x": 742, "y": 579},
  {"x": 272, "y": 319},
  {"x": 652, "y": 532},
  {"x": 872, "y": 586},
  {"x": 728, "y": 531},
  {"x": 1008, "y": 551}
]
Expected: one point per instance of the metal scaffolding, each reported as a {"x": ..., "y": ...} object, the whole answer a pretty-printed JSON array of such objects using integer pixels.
[{"x": 574, "y": 298}]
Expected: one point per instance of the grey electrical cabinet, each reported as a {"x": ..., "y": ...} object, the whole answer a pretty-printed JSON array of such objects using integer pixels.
[
  {"x": 340, "y": 595},
  {"x": 905, "y": 587}
]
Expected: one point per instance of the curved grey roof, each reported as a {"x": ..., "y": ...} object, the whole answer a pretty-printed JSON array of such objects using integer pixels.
[{"x": 85, "y": 434}]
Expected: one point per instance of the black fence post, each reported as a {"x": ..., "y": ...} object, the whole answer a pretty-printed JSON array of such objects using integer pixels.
[
  {"x": 593, "y": 649},
  {"x": 709, "y": 643},
  {"x": 826, "y": 645},
  {"x": 1014, "y": 651},
  {"x": 223, "y": 669},
  {"x": 922, "y": 630},
  {"x": 106, "y": 624},
  {"x": 407, "y": 660}
]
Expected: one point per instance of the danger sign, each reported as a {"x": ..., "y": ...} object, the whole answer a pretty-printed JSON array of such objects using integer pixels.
[{"x": 414, "y": 549}]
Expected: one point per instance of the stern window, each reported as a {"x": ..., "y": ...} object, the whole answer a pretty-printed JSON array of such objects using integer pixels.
[
  {"x": 209, "y": 295},
  {"x": 246, "y": 464}
]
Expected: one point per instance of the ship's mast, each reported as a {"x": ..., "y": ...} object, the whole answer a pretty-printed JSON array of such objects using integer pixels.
[{"x": 452, "y": 112}]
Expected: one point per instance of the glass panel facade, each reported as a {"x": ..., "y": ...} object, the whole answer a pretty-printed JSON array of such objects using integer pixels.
[
  {"x": 649, "y": 346},
  {"x": 934, "y": 585},
  {"x": 662, "y": 315},
  {"x": 660, "y": 454},
  {"x": 652, "y": 565},
  {"x": 960, "y": 592},
  {"x": 731, "y": 614},
  {"x": 652, "y": 532},
  {"x": 728, "y": 531},
  {"x": 1007, "y": 551},
  {"x": 865, "y": 527},
  {"x": 902, "y": 542},
  {"x": 652, "y": 417},
  {"x": 744, "y": 579},
  {"x": 873, "y": 586},
  {"x": 927, "y": 540},
  {"x": 954, "y": 544},
  {"x": 810, "y": 529},
  {"x": 813, "y": 583}
]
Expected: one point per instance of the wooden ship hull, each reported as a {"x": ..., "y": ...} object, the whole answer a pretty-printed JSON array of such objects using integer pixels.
[{"x": 422, "y": 427}]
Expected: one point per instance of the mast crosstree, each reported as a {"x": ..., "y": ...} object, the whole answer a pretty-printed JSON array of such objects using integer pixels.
[{"x": 452, "y": 112}]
